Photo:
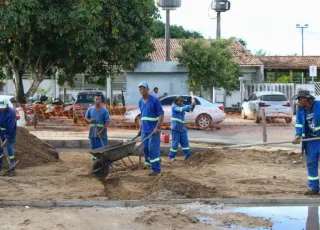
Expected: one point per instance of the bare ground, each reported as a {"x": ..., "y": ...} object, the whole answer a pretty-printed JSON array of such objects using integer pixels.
[
  {"x": 210, "y": 174},
  {"x": 142, "y": 218}
]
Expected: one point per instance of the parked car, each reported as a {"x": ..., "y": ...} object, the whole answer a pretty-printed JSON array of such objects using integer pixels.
[
  {"x": 20, "y": 115},
  {"x": 83, "y": 102},
  {"x": 276, "y": 105},
  {"x": 204, "y": 115}
]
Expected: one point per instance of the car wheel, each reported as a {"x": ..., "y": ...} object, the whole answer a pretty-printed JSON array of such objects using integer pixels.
[
  {"x": 243, "y": 115},
  {"x": 137, "y": 121},
  {"x": 288, "y": 120},
  {"x": 204, "y": 121},
  {"x": 256, "y": 117}
]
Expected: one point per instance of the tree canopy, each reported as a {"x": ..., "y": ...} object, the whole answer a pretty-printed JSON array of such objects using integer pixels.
[
  {"x": 210, "y": 64},
  {"x": 158, "y": 31},
  {"x": 75, "y": 36}
]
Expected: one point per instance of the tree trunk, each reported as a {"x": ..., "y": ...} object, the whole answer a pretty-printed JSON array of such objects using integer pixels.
[
  {"x": 34, "y": 86},
  {"x": 18, "y": 73}
]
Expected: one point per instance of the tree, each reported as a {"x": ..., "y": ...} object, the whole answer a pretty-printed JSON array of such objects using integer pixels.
[
  {"x": 261, "y": 52},
  {"x": 210, "y": 64},
  {"x": 75, "y": 36},
  {"x": 242, "y": 41},
  {"x": 158, "y": 31}
]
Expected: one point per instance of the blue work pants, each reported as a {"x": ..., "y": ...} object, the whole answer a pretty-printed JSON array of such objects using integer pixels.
[{"x": 151, "y": 150}]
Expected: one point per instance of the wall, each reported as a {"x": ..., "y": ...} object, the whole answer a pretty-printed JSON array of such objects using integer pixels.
[
  {"x": 9, "y": 88},
  {"x": 165, "y": 75}
]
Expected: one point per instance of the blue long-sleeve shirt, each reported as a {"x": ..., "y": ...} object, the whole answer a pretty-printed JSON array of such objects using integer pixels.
[
  {"x": 178, "y": 117},
  {"x": 8, "y": 124}
]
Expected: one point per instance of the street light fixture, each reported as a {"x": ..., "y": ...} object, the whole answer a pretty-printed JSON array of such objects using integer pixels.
[{"x": 302, "y": 27}]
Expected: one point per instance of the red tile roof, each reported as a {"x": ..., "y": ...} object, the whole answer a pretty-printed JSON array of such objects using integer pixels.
[
  {"x": 240, "y": 54},
  {"x": 289, "y": 62}
]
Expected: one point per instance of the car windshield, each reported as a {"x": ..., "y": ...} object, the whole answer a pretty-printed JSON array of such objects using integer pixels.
[
  {"x": 87, "y": 97},
  {"x": 273, "y": 98}
]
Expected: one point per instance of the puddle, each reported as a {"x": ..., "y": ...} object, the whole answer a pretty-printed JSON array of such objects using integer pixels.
[{"x": 283, "y": 217}]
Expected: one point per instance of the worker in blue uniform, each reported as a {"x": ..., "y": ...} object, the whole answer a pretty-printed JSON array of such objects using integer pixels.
[
  {"x": 98, "y": 118},
  {"x": 308, "y": 126},
  {"x": 8, "y": 126},
  {"x": 152, "y": 116},
  {"x": 179, "y": 129}
]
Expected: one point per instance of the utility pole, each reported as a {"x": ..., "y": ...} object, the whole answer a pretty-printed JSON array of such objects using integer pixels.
[
  {"x": 168, "y": 5},
  {"x": 168, "y": 35},
  {"x": 302, "y": 27},
  {"x": 220, "y": 6},
  {"x": 218, "y": 25}
]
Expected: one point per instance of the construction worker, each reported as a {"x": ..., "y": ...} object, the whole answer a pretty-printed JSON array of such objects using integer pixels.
[
  {"x": 179, "y": 129},
  {"x": 98, "y": 118},
  {"x": 308, "y": 126},
  {"x": 152, "y": 116},
  {"x": 8, "y": 126}
]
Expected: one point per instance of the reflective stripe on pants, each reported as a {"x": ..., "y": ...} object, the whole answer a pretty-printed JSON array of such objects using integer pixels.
[
  {"x": 182, "y": 139},
  {"x": 151, "y": 150}
]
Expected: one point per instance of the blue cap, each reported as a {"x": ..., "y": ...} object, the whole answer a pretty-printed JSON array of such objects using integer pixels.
[{"x": 144, "y": 84}]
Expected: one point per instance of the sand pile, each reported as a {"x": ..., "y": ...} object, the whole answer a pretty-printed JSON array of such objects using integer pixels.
[
  {"x": 31, "y": 151},
  {"x": 181, "y": 186}
]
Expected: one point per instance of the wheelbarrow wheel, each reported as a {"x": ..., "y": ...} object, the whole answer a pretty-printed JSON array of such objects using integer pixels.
[{"x": 99, "y": 170}]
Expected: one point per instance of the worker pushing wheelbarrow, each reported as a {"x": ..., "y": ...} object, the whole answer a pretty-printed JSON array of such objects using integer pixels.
[{"x": 107, "y": 156}]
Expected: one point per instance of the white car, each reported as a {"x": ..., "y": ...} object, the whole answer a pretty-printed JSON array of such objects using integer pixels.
[
  {"x": 20, "y": 115},
  {"x": 276, "y": 105},
  {"x": 204, "y": 114}
]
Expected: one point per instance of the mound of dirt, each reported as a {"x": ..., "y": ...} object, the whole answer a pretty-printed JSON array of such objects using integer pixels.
[
  {"x": 181, "y": 186},
  {"x": 241, "y": 219},
  {"x": 177, "y": 219},
  {"x": 200, "y": 158},
  {"x": 31, "y": 151},
  {"x": 164, "y": 194}
]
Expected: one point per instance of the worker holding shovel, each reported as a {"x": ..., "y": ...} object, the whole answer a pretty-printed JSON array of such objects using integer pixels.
[
  {"x": 152, "y": 116},
  {"x": 8, "y": 126},
  {"x": 308, "y": 127},
  {"x": 179, "y": 129},
  {"x": 98, "y": 118}
]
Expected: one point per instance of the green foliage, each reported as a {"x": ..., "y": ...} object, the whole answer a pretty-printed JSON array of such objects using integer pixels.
[
  {"x": 92, "y": 37},
  {"x": 242, "y": 41},
  {"x": 158, "y": 31},
  {"x": 284, "y": 79},
  {"x": 42, "y": 91},
  {"x": 261, "y": 52},
  {"x": 210, "y": 64}
]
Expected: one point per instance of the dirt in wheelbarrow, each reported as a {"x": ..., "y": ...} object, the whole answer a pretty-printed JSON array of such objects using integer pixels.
[{"x": 212, "y": 174}]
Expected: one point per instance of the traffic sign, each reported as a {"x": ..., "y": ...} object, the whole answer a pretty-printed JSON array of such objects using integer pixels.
[{"x": 313, "y": 71}]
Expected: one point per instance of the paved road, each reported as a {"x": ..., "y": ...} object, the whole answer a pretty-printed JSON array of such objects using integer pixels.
[{"x": 233, "y": 130}]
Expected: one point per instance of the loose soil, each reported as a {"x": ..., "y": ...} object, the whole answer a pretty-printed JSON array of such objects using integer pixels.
[
  {"x": 210, "y": 174},
  {"x": 31, "y": 151}
]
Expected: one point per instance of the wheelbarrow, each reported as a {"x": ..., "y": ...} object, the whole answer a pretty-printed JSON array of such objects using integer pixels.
[{"x": 107, "y": 156}]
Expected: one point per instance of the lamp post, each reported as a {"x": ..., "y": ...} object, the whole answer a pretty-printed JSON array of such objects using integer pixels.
[
  {"x": 302, "y": 27},
  {"x": 220, "y": 6}
]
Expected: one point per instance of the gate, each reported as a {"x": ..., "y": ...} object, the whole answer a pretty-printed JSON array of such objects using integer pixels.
[
  {"x": 287, "y": 89},
  {"x": 317, "y": 89}
]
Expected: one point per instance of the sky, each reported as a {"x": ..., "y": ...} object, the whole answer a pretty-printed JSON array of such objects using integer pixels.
[{"x": 264, "y": 24}]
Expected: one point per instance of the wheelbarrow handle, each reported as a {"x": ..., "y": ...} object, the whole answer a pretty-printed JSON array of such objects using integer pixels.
[
  {"x": 136, "y": 137},
  {"x": 147, "y": 138}
]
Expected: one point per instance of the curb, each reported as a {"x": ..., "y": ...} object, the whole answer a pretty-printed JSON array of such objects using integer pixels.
[{"x": 138, "y": 203}]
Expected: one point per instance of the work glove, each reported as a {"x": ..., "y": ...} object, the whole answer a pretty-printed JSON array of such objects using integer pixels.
[{"x": 296, "y": 140}]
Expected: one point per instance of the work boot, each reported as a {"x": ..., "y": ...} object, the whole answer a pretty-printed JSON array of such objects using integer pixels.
[
  {"x": 172, "y": 160},
  {"x": 153, "y": 173},
  {"x": 311, "y": 193}
]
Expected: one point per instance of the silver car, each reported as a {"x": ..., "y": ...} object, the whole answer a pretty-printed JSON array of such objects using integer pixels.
[
  {"x": 276, "y": 105},
  {"x": 204, "y": 115}
]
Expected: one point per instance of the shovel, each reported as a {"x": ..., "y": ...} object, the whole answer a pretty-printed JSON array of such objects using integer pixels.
[{"x": 11, "y": 166}]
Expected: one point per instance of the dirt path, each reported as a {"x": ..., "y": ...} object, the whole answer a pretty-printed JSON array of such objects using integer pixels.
[
  {"x": 140, "y": 218},
  {"x": 227, "y": 174}
]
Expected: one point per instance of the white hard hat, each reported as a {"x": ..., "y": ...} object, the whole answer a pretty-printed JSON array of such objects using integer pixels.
[{"x": 4, "y": 103}]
